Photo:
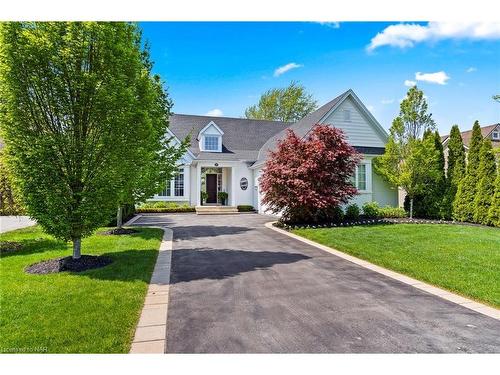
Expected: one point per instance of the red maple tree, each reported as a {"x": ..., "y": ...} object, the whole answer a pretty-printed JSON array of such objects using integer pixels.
[{"x": 307, "y": 179}]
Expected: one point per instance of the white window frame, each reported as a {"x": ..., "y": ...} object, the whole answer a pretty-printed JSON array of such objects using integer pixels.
[
  {"x": 171, "y": 190},
  {"x": 209, "y": 130},
  {"x": 347, "y": 115},
  {"x": 356, "y": 178},
  {"x": 495, "y": 135},
  {"x": 217, "y": 145}
]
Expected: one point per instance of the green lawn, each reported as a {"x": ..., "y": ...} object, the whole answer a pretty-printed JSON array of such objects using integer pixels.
[
  {"x": 462, "y": 259},
  {"x": 94, "y": 311}
]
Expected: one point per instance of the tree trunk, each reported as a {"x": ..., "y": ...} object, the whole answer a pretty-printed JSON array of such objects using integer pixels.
[
  {"x": 77, "y": 245},
  {"x": 411, "y": 208},
  {"x": 119, "y": 217}
]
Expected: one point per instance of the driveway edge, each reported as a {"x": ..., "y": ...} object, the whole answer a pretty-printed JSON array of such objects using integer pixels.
[
  {"x": 151, "y": 331},
  {"x": 442, "y": 293}
]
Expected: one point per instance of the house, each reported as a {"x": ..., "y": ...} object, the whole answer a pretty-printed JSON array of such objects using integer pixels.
[
  {"x": 228, "y": 154},
  {"x": 491, "y": 131}
]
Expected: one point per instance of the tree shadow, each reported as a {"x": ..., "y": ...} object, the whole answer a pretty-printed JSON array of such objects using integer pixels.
[
  {"x": 36, "y": 245},
  {"x": 196, "y": 231},
  {"x": 216, "y": 264}
]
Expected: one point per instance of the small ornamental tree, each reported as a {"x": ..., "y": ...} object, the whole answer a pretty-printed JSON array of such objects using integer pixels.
[
  {"x": 307, "y": 179},
  {"x": 463, "y": 206},
  {"x": 486, "y": 188},
  {"x": 455, "y": 169},
  {"x": 494, "y": 212}
]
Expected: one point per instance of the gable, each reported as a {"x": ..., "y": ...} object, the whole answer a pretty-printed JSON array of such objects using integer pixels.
[{"x": 359, "y": 128}]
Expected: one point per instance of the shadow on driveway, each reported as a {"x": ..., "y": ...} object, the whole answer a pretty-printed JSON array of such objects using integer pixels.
[{"x": 199, "y": 264}]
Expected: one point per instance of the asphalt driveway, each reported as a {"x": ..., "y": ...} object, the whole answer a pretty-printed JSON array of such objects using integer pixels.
[
  {"x": 238, "y": 287},
  {"x": 8, "y": 223}
]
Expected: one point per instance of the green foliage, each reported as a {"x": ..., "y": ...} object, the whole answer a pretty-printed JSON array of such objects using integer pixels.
[
  {"x": 370, "y": 209},
  {"x": 455, "y": 170},
  {"x": 494, "y": 212},
  {"x": 283, "y": 104},
  {"x": 486, "y": 188},
  {"x": 9, "y": 202},
  {"x": 204, "y": 196},
  {"x": 352, "y": 212},
  {"x": 391, "y": 212},
  {"x": 163, "y": 204},
  {"x": 463, "y": 205},
  {"x": 408, "y": 161},
  {"x": 83, "y": 120},
  {"x": 222, "y": 196},
  {"x": 245, "y": 208}
]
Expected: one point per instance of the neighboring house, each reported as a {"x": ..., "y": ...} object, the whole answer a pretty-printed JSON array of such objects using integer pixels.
[
  {"x": 491, "y": 131},
  {"x": 228, "y": 154}
]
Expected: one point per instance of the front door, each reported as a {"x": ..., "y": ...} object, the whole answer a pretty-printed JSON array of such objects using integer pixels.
[{"x": 211, "y": 188}]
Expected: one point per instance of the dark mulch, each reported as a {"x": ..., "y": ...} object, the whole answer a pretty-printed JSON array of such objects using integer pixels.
[
  {"x": 86, "y": 262},
  {"x": 9, "y": 247},
  {"x": 119, "y": 231}
]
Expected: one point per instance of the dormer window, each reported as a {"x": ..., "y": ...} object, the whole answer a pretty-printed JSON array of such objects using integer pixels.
[
  {"x": 211, "y": 142},
  {"x": 210, "y": 138},
  {"x": 495, "y": 135}
]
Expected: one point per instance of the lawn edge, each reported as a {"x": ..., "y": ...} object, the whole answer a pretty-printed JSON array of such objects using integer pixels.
[
  {"x": 150, "y": 332},
  {"x": 442, "y": 293}
]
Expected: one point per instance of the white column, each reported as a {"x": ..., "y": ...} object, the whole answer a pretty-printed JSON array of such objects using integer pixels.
[
  {"x": 197, "y": 188},
  {"x": 233, "y": 186}
]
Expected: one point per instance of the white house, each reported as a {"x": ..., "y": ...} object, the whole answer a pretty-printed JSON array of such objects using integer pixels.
[{"x": 227, "y": 154}]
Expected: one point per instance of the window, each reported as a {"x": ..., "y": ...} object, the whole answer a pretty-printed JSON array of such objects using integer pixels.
[
  {"x": 211, "y": 143},
  {"x": 347, "y": 115},
  {"x": 495, "y": 135},
  {"x": 178, "y": 186},
  {"x": 179, "y": 183},
  {"x": 361, "y": 177}
]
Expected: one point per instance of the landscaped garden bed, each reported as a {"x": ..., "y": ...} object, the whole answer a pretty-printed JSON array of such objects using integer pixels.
[
  {"x": 461, "y": 258},
  {"x": 74, "y": 311},
  {"x": 164, "y": 207}
]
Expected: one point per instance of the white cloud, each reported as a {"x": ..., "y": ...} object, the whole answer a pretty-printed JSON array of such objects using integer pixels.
[
  {"x": 285, "y": 68},
  {"x": 370, "y": 107},
  {"x": 216, "y": 112},
  {"x": 332, "y": 25},
  {"x": 405, "y": 35},
  {"x": 387, "y": 101},
  {"x": 471, "y": 69},
  {"x": 439, "y": 77},
  {"x": 410, "y": 83}
]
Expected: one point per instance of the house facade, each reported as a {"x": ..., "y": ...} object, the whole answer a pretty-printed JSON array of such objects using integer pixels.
[{"x": 228, "y": 154}]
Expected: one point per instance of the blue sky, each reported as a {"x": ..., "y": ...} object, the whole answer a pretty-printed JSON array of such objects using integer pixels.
[{"x": 226, "y": 66}]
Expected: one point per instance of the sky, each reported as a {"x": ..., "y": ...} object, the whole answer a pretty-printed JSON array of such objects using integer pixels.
[{"x": 221, "y": 68}]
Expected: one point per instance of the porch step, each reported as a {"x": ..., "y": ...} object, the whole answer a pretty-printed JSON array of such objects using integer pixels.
[{"x": 215, "y": 210}]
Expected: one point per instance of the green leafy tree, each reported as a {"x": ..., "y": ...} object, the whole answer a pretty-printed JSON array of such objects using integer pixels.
[
  {"x": 78, "y": 104},
  {"x": 283, "y": 104},
  {"x": 455, "y": 169},
  {"x": 494, "y": 212},
  {"x": 486, "y": 188},
  {"x": 497, "y": 98},
  {"x": 409, "y": 161},
  {"x": 463, "y": 205}
]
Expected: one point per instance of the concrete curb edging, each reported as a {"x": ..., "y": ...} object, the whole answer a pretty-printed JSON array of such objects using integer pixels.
[
  {"x": 131, "y": 221},
  {"x": 442, "y": 293},
  {"x": 151, "y": 331}
]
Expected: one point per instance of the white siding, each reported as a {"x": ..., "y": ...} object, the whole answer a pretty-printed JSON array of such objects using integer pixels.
[{"x": 359, "y": 130}]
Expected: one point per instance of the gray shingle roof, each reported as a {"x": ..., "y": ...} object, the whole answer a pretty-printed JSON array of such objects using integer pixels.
[{"x": 242, "y": 138}]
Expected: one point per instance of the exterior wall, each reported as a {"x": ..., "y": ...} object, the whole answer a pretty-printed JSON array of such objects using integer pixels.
[
  {"x": 359, "y": 130},
  {"x": 383, "y": 193},
  {"x": 187, "y": 191}
]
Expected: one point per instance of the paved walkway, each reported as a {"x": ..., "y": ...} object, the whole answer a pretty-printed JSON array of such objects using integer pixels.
[
  {"x": 8, "y": 223},
  {"x": 238, "y": 287}
]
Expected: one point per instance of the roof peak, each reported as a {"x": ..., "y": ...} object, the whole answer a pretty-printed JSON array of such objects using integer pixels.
[{"x": 230, "y": 118}]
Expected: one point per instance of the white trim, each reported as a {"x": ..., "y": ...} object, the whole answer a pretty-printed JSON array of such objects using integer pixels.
[
  {"x": 211, "y": 123},
  {"x": 441, "y": 293}
]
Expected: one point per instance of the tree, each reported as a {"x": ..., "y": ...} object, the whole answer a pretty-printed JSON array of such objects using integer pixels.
[
  {"x": 497, "y": 98},
  {"x": 9, "y": 201},
  {"x": 455, "y": 169},
  {"x": 494, "y": 212},
  {"x": 409, "y": 161},
  {"x": 306, "y": 179},
  {"x": 463, "y": 206},
  {"x": 283, "y": 104},
  {"x": 486, "y": 188},
  {"x": 78, "y": 104}
]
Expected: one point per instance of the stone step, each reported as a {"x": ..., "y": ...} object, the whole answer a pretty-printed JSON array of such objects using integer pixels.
[{"x": 215, "y": 210}]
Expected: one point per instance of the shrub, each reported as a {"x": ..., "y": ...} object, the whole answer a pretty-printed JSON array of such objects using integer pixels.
[
  {"x": 222, "y": 195},
  {"x": 352, "y": 212},
  {"x": 163, "y": 206},
  {"x": 371, "y": 209},
  {"x": 394, "y": 212},
  {"x": 245, "y": 208}
]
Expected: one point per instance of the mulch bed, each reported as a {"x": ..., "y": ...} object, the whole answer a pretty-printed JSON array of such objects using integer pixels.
[
  {"x": 7, "y": 247},
  {"x": 86, "y": 262},
  {"x": 119, "y": 231}
]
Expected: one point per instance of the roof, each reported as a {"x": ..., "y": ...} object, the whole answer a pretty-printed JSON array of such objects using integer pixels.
[
  {"x": 242, "y": 138},
  {"x": 467, "y": 135}
]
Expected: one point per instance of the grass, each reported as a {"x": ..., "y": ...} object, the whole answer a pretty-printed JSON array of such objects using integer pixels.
[
  {"x": 95, "y": 311},
  {"x": 462, "y": 259}
]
